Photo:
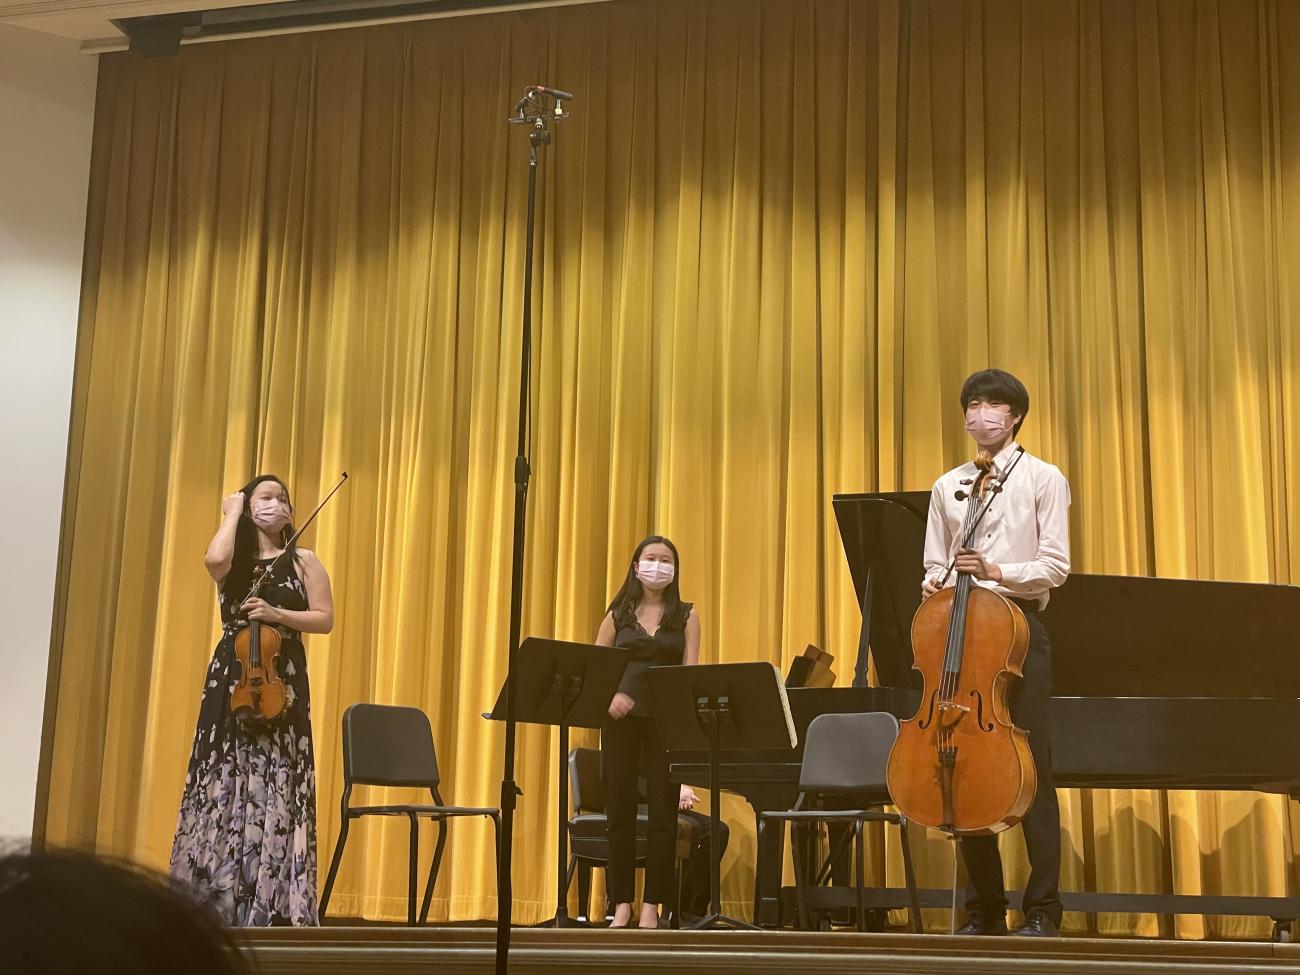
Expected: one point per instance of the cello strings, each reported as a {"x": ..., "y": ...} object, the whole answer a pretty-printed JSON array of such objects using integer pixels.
[
  {"x": 968, "y": 534},
  {"x": 956, "y": 633}
]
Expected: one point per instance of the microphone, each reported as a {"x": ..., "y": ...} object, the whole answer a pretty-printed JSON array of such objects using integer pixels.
[
  {"x": 555, "y": 93},
  {"x": 519, "y": 114}
]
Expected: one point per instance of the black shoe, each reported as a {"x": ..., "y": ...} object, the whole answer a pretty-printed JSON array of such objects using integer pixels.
[
  {"x": 978, "y": 924},
  {"x": 1038, "y": 925}
]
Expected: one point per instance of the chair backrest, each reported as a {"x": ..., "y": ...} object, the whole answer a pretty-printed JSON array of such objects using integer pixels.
[
  {"x": 848, "y": 753},
  {"x": 388, "y": 745},
  {"x": 586, "y": 786}
]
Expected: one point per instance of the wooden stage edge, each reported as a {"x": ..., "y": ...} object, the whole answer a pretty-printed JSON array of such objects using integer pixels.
[{"x": 456, "y": 950}]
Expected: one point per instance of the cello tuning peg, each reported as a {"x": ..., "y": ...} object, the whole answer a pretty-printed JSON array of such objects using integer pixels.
[
  {"x": 967, "y": 480},
  {"x": 960, "y": 495}
]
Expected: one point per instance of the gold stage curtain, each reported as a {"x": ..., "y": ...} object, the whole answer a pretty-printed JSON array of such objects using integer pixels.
[{"x": 775, "y": 237}]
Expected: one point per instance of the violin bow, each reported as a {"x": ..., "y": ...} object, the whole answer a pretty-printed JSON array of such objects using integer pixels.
[{"x": 296, "y": 535}]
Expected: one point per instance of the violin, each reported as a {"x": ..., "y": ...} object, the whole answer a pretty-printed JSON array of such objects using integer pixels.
[
  {"x": 959, "y": 764},
  {"x": 259, "y": 696}
]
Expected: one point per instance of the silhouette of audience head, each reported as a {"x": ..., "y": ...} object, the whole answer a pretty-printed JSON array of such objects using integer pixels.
[{"x": 66, "y": 913}]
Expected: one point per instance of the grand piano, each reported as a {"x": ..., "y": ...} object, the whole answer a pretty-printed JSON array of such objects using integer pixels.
[{"x": 1159, "y": 684}]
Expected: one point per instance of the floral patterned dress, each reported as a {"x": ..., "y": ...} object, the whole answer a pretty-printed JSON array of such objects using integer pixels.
[{"x": 246, "y": 835}]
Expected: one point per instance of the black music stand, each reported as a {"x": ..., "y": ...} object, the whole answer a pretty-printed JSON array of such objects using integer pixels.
[
  {"x": 569, "y": 685},
  {"x": 720, "y": 706}
]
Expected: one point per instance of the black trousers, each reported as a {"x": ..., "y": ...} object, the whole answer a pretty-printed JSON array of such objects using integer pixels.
[
  {"x": 1031, "y": 702},
  {"x": 697, "y": 884},
  {"x": 628, "y": 748}
]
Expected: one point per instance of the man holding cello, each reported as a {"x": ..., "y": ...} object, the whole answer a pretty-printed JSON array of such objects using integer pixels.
[{"x": 1021, "y": 550}]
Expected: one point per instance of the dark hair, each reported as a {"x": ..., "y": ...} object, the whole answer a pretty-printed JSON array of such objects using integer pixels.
[
  {"x": 67, "y": 913},
  {"x": 628, "y": 598},
  {"x": 995, "y": 384},
  {"x": 240, "y": 578}
]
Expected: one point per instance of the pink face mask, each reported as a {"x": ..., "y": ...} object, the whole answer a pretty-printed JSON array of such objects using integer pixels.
[
  {"x": 269, "y": 514},
  {"x": 987, "y": 424},
  {"x": 655, "y": 575}
]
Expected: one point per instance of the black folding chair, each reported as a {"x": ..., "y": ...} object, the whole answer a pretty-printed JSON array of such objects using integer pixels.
[
  {"x": 845, "y": 755},
  {"x": 588, "y": 845},
  {"x": 393, "y": 746}
]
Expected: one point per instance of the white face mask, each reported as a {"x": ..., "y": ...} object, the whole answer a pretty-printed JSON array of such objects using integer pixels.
[
  {"x": 269, "y": 514},
  {"x": 655, "y": 575},
  {"x": 987, "y": 424}
]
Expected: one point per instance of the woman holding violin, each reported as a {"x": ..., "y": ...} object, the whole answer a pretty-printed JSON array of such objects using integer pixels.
[
  {"x": 246, "y": 835},
  {"x": 1020, "y": 550}
]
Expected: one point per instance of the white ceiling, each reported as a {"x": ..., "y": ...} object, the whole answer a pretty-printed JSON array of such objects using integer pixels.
[{"x": 89, "y": 22}]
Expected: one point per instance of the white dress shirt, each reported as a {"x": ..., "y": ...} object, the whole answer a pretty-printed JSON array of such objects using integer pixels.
[{"x": 1026, "y": 532}]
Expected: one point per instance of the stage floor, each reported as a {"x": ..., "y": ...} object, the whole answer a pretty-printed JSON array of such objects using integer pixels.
[{"x": 456, "y": 950}]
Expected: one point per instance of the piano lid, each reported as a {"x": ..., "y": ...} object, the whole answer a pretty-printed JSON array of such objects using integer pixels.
[
  {"x": 883, "y": 536},
  {"x": 1133, "y": 636},
  {"x": 1112, "y": 636}
]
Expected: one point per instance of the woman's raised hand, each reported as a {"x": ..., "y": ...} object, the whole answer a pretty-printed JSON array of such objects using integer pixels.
[{"x": 232, "y": 504}]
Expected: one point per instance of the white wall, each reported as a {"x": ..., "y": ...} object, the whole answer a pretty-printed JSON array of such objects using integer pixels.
[{"x": 47, "y": 97}]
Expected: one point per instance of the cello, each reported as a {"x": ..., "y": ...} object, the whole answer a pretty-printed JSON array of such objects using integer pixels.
[
  {"x": 959, "y": 764},
  {"x": 259, "y": 697}
]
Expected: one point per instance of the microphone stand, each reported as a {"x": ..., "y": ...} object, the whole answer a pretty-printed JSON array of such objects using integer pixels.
[{"x": 537, "y": 109}]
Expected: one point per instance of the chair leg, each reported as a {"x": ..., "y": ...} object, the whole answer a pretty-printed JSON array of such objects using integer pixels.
[
  {"x": 675, "y": 918},
  {"x": 819, "y": 920},
  {"x": 837, "y": 850},
  {"x": 411, "y": 868},
  {"x": 798, "y": 852},
  {"x": 909, "y": 875},
  {"x": 584, "y": 889},
  {"x": 860, "y": 880},
  {"x": 334, "y": 865},
  {"x": 569, "y": 871},
  {"x": 434, "y": 867}
]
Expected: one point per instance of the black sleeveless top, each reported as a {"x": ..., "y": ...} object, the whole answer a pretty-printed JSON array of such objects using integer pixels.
[{"x": 665, "y": 649}]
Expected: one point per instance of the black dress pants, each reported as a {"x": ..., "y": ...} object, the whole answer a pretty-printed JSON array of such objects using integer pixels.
[{"x": 630, "y": 747}]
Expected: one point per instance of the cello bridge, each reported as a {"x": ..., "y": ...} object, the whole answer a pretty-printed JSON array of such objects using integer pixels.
[{"x": 950, "y": 713}]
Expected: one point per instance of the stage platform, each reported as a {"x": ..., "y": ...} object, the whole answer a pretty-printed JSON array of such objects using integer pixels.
[{"x": 468, "y": 950}]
